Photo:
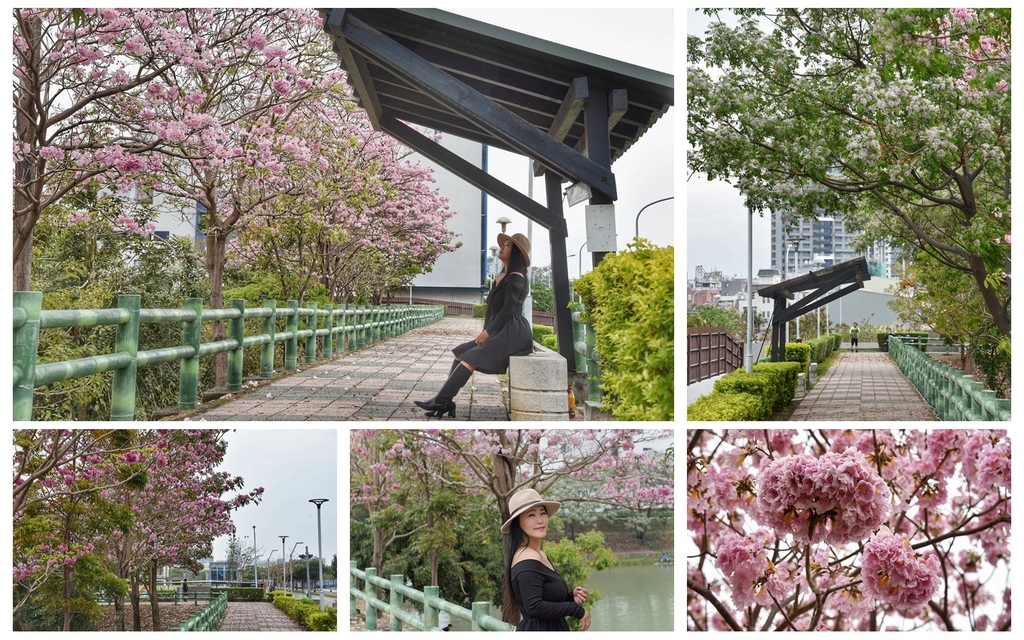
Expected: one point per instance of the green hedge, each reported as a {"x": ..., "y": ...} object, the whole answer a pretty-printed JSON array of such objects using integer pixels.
[
  {"x": 797, "y": 352},
  {"x": 758, "y": 384},
  {"x": 883, "y": 338},
  {"x": 307, "y": 612},
  {"x": 725, "y": 406},
  {"x": 240, "y": 594},
  {"x": 629, "y": 298},
  {"x": 823, "y": 347},
  {"x": 479, "y": 310},
  {"x": 540, "y": 331},
  {"x": 785, "y": 376}
]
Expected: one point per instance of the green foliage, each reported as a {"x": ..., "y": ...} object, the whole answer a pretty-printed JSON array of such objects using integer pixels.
[
  {"x": 993, "y": 358},
  {"x": 540, "y": 331},
  {"x": 240, "y": 594},
  {"x": 785, "y": 376},
  {"x": 725, "y": 406},
  {"x": 551, "y": 342},
  {"x": 307, "y": 613},
  {"x": 576, "y": 559},
  {"x": 757, "y": 384},
  {"x": 543, "y": 297},
  {"x": 479, "y": 310},
  {"x": 797, "y": 352},
  {"x": 629, "y": 298},
  {"x": 708, "y": 315}
]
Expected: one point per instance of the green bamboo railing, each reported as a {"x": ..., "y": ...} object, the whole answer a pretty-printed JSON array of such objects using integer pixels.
[
  {"x": 351, "y": 327},
  {"x": 479, "y": 616},
  {"x": 953, "y": 395},
  {"x": 208, "y": 618}
]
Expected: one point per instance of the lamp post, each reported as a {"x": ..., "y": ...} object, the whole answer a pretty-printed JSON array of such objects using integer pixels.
[
  {"x": 637, "y": 222},
  {"x": 291, "y": 567},
  {"x": 255, "y": 565},
  {"x": 306, "y": 556},
  {"x": 319, "y": 547},
  {"x": 579, "y": 266},
  {"x": 503, "y": 221},
  {"x": 282, "y": 564},
  {"x": 748, "y": 358}
]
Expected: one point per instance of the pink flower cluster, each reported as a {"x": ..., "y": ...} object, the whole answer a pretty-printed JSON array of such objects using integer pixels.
[
  {"x": 837, "y": 497},
  {"x": 897, "y": 575},
  {"x": 752, "y": 576}
]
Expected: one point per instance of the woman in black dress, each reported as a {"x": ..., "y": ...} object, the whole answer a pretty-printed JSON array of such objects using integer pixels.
[
  {"x": 506, "y": 332},
  {"x": 532, "y": 587}
]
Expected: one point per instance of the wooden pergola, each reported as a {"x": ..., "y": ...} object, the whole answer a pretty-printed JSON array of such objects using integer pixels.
[
  {"x": 848, "y": 276},
  {"x": 572, "y": 112}
]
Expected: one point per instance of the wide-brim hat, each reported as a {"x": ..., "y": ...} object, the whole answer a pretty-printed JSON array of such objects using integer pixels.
[
  {"x": 526, "y": 499},
  {"x": 520, "y": 241}
]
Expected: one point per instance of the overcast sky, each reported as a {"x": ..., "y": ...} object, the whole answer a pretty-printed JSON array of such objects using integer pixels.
[
  {"x": 293, "y": 466},
  {"x": 716, "y": 218},
  {"x": 645, "y": 173}
]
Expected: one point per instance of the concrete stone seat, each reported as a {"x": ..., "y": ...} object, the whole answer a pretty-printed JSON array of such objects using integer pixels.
[{"x": 538, "y": 386}]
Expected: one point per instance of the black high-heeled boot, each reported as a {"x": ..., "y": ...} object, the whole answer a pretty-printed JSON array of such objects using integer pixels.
[{"x": 442, "y": 402}]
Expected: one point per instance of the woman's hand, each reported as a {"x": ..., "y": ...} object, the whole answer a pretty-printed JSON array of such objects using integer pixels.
[
  {"x": 480, "y": 339},
  {"x": 579, "y": 595},
  {"x": 585, "y": 621}
]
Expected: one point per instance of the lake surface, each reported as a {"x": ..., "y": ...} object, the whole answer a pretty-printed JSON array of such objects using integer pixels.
[{"x": 637, "y": 598}]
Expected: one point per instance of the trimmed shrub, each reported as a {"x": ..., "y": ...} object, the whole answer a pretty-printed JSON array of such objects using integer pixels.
[
  {"x": 326, "y": 620},
  {"x": 797, "y": 352},
  {"x": 784, "y": 378},
  {"x": 240, "y": 594},
  {"x": 725, "y": 406},
  {"x": 540, "y": 331},
  {"x": 307, "y": 613},
  {"x": 551, "y": 342},
  {"x": 757, "y": 384},
  {"x": 479, "y": 310}
]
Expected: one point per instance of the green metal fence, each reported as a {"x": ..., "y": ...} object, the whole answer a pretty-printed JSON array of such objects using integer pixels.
[
  {"x": 344, "y": 327},
  {"x": 208, "y": 618},
  {"x": 953, "y": 395},
  {"x": 479, "y": 616},
  {"x": 585, "y": 345}
]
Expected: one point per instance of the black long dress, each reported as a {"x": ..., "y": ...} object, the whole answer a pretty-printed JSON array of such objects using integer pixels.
[
  {"x": 509, "y": 333},
  {"x": 543, "y": 598}
]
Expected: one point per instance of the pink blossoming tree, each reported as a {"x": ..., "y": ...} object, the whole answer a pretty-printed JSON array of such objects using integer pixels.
[{"x": 835, "y": 529}]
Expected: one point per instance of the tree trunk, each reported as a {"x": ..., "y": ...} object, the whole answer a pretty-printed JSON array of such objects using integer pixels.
[
  {"x": 26, "y": 131},
  {"x": 216, "y": 249},
  {"x": 999, "y": 315},
  {"x": 154, "y": 602},
  {"x": 136, "y": 604}
]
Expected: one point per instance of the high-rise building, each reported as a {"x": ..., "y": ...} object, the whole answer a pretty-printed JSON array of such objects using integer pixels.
[{"x": 803, "y": 244}]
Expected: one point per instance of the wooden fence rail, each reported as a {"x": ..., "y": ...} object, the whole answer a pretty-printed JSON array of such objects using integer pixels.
[{"x": 711, "y": 352}]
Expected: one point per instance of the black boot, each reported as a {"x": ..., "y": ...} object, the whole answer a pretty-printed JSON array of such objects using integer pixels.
[{"x": 442, "y": 402}]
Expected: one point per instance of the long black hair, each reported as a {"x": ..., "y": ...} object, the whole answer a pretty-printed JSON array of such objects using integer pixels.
[
  {"x": 516, "y": 264},
  {"x": 515, "y": 540}
]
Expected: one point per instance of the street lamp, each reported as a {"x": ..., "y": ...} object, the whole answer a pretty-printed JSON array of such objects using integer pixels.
[
  {"x": 291, "y": 567},
  {"x": 579, "y": 266},
  {"x": 637, "y": 223},
  {"x": 255, "y": 565},
  {"x": 306, "y": 556},
  {"x": 283, "y": 577},
  {"x": 319, "y": 543},
  {"x": 503, "y": 221}
]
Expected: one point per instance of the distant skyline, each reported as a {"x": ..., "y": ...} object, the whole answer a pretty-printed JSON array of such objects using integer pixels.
[{"x": 293, "y": 466}]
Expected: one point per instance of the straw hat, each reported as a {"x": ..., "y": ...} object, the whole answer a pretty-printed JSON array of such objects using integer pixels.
[
  {"x": 520, "y": 241},
  {"x": 523, "y": 500}
]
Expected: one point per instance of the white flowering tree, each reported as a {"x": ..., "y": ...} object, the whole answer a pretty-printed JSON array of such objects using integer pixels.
[
  {"x": 837, "y": 530},
  {"x": 897, "y": 118}
]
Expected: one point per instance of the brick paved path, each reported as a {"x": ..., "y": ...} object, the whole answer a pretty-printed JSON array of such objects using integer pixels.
[
  {"x": 866, "y": 385},
  {"x": 378, "y": 382},
  {"x": 256, "y": 616}
]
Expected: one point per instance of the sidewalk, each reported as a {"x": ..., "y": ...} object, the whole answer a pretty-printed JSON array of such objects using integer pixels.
[
  {"x": 866, "y": 385},
  {"x": 256, "y": 616},
  {"x": 378, "y": 382}
]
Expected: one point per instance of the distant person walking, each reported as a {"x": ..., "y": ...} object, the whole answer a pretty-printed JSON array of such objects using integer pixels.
[
  {"x": 184, "y": 587},
  {"x": 506, "y": 332},
  {"x": 854, "y": 334},
  {"x": 531, "y": 586}
]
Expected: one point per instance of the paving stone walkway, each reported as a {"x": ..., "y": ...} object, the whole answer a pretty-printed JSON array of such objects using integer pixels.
[
  {"x": 256, "y": 616},
  {"x": 866, "y": 385},
  {"x": 378, "y": 382}
]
